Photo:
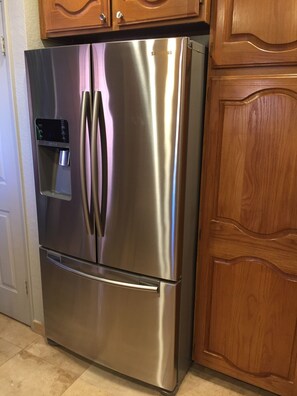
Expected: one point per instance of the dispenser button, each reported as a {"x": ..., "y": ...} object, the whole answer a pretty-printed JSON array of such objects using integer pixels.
[{"x": 64, "y": 157}]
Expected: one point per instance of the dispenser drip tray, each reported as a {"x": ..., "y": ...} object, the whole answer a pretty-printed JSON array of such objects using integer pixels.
[{"x": 54, "y": 172}]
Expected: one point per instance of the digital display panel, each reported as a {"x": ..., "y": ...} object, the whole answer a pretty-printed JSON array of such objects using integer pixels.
[{"x": 52, "y": 130}]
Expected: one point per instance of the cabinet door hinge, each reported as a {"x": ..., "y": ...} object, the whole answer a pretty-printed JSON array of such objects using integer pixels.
[
  {"x": 26, "y": 288},
  {"x": 2, "y": 44}
]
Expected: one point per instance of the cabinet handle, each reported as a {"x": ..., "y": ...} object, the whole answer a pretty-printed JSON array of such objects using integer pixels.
[
  {"x": 102, "y": 17},
  {"x": 119, "y": 15}
]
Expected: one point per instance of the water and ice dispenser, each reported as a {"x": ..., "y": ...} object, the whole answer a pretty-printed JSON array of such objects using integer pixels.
[{"x": 53, "y": 152}]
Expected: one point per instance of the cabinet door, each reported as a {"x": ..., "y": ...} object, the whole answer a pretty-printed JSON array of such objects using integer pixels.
[
  {"x": 254, "y": 32},
  {"x": 65, "y": 17},
  {"x": 246, "y": 306},
  {"x": 139, "y": 11}
]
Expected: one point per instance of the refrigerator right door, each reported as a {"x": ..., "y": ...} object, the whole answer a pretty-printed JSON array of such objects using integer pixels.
[{"x": 142, "y": 134}]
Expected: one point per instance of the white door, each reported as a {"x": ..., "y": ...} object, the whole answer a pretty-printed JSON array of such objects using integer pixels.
[{"x": 14, "y": 299}]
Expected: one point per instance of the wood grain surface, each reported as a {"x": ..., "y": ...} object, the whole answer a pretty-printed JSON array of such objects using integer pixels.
[
  {"x": 254, "y": 32},
  {"x": 246, "y": 302}
]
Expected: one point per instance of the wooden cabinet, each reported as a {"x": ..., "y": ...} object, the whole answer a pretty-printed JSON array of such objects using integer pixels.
[
  {"x": 246, "y": 303},
  {"x": 246, "y": 298},
  {"x": 254, "y": 32},
  {"x": 139, "y": 11},
  {"x": 68, "y": 17}
]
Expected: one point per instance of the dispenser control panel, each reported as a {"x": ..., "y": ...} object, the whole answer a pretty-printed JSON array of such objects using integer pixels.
[{"x": 52, "y": 130}]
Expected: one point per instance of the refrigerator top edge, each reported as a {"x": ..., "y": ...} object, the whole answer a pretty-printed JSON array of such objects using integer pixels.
[
  {"x": 55, "y": 47},
  {"x": 191, "y": 42}
]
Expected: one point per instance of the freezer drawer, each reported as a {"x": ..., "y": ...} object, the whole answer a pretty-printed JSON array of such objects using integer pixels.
[{"x": 124, "y": 322}]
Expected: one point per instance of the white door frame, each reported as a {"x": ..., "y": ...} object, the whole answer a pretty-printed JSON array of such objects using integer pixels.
[{"x": 17, "y": 282}]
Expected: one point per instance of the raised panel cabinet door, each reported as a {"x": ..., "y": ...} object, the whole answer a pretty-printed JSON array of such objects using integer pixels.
[
  {"x": 246, "y": 304},
  {"x": 254, "y": 32},
  {"x": 139, "y": 11},
  {"x": 65, "y": 17}
]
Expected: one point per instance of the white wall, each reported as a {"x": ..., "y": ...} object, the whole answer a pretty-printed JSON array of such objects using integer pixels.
[{"x": 22, "y": 29}]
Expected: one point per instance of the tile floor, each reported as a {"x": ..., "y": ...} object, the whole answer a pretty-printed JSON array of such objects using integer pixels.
[{"x": 30, "y": 367}]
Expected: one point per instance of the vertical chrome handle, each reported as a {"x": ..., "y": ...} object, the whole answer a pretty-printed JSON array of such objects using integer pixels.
[
  {"x": 94, "y": 163},
  {"x": 84, "y": 110},
  {"x": 104, "y": 162},
  {"x": 98, "y": 119}
]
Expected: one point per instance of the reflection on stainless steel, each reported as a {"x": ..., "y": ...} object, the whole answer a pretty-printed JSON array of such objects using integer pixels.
[
  {"x": 128, "y": 330},
  {"x": 123, "y": 296},
  {"x": 103, "y": 280},
  {"x": 145, "y": 144},
  {"x": 57, "y": 77},
  {"x": 64, "y": 157}
]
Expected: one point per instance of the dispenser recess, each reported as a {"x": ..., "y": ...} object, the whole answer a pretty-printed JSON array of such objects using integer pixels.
[{"x": 53, "y": 152}]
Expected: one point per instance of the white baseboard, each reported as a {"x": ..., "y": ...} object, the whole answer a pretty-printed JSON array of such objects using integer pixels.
[{"x": 38, "y": 327}]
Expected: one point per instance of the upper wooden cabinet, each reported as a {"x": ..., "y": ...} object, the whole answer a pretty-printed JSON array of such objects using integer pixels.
[
  {"x": 254, "y": 32},
  {"x": 139, "y": 11},
  {"x": 64, "y": 17},
  {"x": 68, "y": 17}
]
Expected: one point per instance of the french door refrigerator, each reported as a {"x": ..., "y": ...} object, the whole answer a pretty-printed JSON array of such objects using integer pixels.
[{"x": 116, "y": 136}]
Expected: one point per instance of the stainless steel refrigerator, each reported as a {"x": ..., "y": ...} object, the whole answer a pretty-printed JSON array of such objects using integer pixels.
[{"x": 116, "y": 137}]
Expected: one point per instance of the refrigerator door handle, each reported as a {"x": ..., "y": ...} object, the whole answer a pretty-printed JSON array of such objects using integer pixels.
[
  {"x": 104, "y": 163},
  {"x": 85, "y": 115},
  {"x": 57, "y": 261},
  {"x": 98, "y": 117}
]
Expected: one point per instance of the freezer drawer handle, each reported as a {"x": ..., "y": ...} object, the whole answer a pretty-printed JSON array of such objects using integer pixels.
[
  {"x": 127, "y": 285},
  {"x": 85, "y": 115},
  {"x": 98, "y": 118}
]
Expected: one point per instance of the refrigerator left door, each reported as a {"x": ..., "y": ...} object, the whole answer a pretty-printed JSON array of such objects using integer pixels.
[{"x": 59, "y": 84}]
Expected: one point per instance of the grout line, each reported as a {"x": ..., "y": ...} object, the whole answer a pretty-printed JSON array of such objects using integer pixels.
[
  {"x": 17, "y": 345},
  {"x": 51, "y": 363},
  {"x": 14, "y": 354}
]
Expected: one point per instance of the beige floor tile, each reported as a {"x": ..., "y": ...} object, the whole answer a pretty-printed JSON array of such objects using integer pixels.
[
  {"x": 16, "y": 333},
  {"x": 57, "y": 356},
  {"x": 43, "y": 370},
  {"x": 109, "y": 384},
  {"x": 201, "y": 381},
  {"x": 83, "y": 388},
  {"x": 28, "y": 375},
  {"x": 198, "y": 382},
  {"x": 7, "y": 350}
]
